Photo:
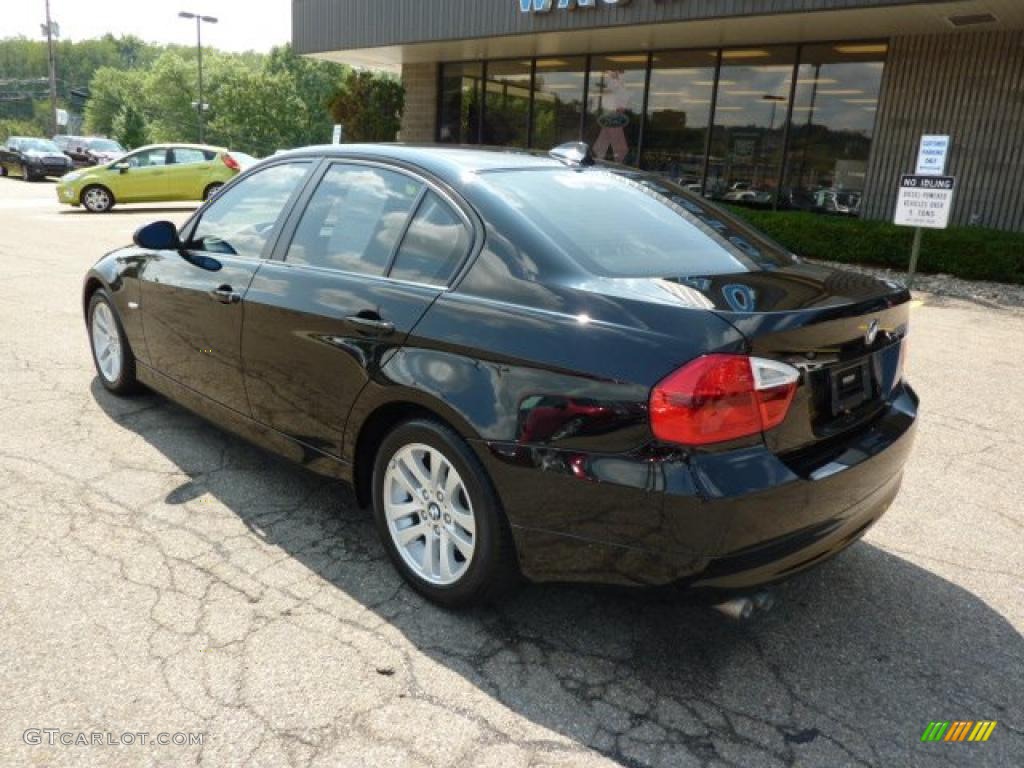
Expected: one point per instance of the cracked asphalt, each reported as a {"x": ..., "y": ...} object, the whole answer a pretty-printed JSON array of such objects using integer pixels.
[{"x": 159, "y": 575}]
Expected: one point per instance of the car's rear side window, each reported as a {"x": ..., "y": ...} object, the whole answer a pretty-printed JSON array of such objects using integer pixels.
[
  {"x": 617, "y": 226},
  {"x": 189, "y": 156},
  {"x": 434, "y": 245},
  {"x": 354, "y": 219}
]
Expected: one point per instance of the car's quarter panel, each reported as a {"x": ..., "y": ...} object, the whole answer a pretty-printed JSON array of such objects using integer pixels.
[{"x": 306, "y": 358}]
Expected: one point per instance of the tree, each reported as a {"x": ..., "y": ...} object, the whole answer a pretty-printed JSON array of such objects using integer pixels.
[
  {"x": 130, "y": 127},
  {"x": 19, "y": 128},
  {"x": 315, "y": 83},
  {"x": 169, "y": 89},
  {"x": 369, "y": 106},
  {"x": 109, "y": 92},
  {"x": 256, "y": 111},
  {"x": 140, "y": 91}
]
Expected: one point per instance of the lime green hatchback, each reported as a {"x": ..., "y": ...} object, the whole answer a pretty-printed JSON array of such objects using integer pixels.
[{"x": 160, "y": 173}]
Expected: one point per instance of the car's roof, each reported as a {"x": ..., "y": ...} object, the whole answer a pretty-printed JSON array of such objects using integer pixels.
[
  {"x": 446, "y": 160},
  {"x": 175, "y": 145}
]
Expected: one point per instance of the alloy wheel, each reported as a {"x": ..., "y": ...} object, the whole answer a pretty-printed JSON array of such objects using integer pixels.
[
  {"x": 96, "y": 199},
  {"x": 429, "y": 514},
  {"x": 106, "y": 342}
]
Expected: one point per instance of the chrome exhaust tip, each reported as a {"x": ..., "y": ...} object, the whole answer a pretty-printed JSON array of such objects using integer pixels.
[
  {"x": 738, "y": 609},
  {"x": 742, "y": 608}
]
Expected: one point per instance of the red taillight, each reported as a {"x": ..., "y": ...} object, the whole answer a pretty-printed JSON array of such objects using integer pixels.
[
  {"x": 230, "y": 162},
  {"x": 722, "y": 397}
]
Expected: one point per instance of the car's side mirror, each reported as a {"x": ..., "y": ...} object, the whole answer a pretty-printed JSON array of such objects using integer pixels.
[
  {"x": 158, "y": 236},
  {"x": 122, "y": 167}
]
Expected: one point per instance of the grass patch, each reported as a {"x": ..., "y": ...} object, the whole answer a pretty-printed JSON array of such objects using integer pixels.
[{"x": 972, "y": 253}]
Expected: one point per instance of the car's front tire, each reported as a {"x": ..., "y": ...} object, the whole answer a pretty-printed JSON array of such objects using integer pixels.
[
  {"x": 97, "y": 199},
  {"x": 111, "y": 353},
  {"x": 439, "y": 517}
]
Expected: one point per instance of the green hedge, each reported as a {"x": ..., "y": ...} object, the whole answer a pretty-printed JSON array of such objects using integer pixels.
[{"x": 968, "y": 252}]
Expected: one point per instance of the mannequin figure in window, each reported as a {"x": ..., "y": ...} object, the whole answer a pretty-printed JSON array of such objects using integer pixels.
[{"x": 612, "y": 117}]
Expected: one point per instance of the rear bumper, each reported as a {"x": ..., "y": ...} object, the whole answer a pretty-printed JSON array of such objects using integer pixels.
[{"x": 733, "y": 520}]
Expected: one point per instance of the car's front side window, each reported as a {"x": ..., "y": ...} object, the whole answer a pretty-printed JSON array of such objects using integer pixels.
[
  {"x": 241, "y": 219},
  {"x": 148, "y": 158},
  {"x": 354, "y": 219}
]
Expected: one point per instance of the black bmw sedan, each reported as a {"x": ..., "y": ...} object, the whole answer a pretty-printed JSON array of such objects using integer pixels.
[{"x": 525, "y": 364}]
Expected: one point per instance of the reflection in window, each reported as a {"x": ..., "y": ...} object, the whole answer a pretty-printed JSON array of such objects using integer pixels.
[
  {"x": 750, "y": 117},
  {"x": 833, "y": 121},
  {"x": 354, "y": 219},
  {"x": 507, "y": 103},
  {"x": 240, "y": 220},
  {"x": 434, "y": 245},
  {"x": 558, "y": 101},
  {"x": 614, "y": 104},
  {"x": 678, "y": 114},
  {"x": 461, "y": 96}
]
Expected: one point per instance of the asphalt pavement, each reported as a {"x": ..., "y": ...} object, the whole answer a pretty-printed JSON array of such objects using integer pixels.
[{"x": 159, "y": 576}]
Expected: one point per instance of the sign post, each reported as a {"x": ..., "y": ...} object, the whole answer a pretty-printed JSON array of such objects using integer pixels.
[
  {"x": 926, "y": 198},
  {"x": 337, "y": 134}
]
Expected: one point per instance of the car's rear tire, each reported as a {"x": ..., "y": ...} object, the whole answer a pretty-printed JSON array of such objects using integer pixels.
[
  {"x": 97, "y": 199},
  {"x": 111, "y": 352},
  {"x": 439, "y": 518},
  {"x": 26, "y": 174},
  {"x": 211, "y": 190}
]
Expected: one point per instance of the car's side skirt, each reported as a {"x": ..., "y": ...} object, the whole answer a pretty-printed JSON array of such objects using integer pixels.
[{"x": 245, "y": 427}]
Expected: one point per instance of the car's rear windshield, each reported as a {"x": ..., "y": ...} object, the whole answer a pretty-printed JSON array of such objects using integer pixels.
[{"x": 633, "y": 225}]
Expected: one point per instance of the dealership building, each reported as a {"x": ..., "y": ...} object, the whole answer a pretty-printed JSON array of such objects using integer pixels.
[{"x": 804, "y": 104}]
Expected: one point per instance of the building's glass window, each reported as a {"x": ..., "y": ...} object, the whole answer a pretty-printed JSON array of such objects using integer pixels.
[
  {"x": 507, "y": 103},
  {"x": 558, "y": 101},
  {"x": 615, "y": 102},
  {"x": 833, "y": 121},
  {"x": 750, "y": 118},
  {"x": 461, "y": 98},
  {"x": 737, "y": 132},
  {"x": 678, "y": 115}
]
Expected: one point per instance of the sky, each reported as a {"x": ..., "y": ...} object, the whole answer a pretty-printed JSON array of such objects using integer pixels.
[{"x": 241, "y": 26}]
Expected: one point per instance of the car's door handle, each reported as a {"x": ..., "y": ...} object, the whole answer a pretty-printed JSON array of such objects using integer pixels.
[
  {"x": 371, "y": 323},
  {"x": 225, "y": 295}
]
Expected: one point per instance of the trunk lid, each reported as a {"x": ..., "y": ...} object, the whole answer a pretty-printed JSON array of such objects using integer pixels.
[{"x": 844, "y": 331}]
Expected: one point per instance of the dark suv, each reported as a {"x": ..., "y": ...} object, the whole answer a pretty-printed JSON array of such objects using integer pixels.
[{"x": 32, "y": 158}]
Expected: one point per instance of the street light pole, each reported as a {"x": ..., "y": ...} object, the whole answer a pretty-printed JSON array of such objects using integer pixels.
[{"x": 200, "y": 105}]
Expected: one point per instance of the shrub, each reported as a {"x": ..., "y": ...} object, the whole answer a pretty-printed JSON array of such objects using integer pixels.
[{"x": 972, "y": 253}]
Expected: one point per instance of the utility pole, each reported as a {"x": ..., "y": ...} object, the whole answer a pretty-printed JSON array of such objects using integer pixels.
[{"x": 53, "y": 70}]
